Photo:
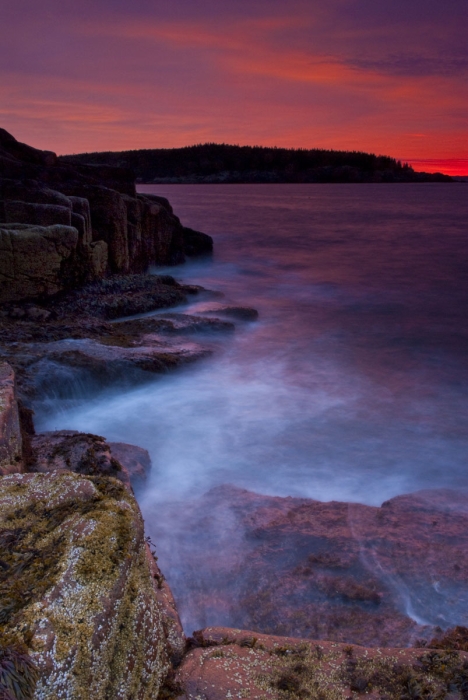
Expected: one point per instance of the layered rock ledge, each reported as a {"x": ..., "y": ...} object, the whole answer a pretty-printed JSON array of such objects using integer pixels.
[
  {"x": 62, "y": 225},
  {"x": 231, "y": 663}
]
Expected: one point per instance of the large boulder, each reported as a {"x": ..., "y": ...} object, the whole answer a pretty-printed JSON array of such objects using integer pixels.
[
  {"x": 10, "y": 431},
  {"x": 196, "y": 242},
  {"x": 77, "y": 590},
  {"x": 35, "y": 260}
]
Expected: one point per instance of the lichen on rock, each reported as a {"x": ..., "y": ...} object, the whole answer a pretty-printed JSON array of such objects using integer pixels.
[
  {"x": 231, "y": 663},
  {"x": 76, "y": 589}
]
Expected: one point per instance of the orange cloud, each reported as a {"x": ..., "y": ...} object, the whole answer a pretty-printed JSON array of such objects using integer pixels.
[{"x": 162, "y": 83}]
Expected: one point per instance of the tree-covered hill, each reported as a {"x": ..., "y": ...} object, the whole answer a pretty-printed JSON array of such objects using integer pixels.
[{"x": 211, "y": 163}]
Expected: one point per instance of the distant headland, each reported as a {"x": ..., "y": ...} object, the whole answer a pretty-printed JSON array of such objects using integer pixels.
[{"x": 223, "y": 163}]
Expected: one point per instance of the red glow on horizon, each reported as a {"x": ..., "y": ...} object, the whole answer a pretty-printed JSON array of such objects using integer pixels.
[
  {"x": 251, "y": 73},
  {"x": 448, "y": 166}
]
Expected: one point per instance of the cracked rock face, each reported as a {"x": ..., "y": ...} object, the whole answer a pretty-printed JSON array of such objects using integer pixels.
[
  {"x": 77, "y": 589},
  {"x": 34, "y": 260}
]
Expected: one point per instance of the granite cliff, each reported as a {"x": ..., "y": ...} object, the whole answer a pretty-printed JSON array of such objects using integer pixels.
[{"x": 62, "y": 225}]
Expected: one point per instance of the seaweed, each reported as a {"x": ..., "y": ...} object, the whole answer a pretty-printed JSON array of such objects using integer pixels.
[{"x": 18, "y": 672}]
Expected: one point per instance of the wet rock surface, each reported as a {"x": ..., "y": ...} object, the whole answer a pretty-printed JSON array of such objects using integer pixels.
[
  {"x": 231, "y": 663},
  {"x": 70, "y": 451},
  {"x": 76, "y": 340},
  {"x": 135, "y": 461},
  {"x": 242, "y": 313},
  {"x": 388, "y": 576}
]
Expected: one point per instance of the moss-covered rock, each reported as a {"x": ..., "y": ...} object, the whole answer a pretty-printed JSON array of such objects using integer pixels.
[{"x": 76, "y": 589}]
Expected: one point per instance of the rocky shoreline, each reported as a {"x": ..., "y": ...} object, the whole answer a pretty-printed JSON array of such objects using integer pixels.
[{"x": 85, "y": 610}]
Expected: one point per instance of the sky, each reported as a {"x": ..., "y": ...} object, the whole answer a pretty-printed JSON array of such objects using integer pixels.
[{"x": 382, "y": 76}]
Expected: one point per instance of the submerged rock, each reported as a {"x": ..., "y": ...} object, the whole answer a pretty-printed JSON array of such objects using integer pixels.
[
  {"x": 76, "y": 587},
  {"x": 347, "y": 572},
  {"x": 186, "y": 324},
  {"x": 242, "y": 313}
]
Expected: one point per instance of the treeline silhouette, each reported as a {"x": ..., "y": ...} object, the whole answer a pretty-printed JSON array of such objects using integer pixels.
[{"x": 211, "y": 162}]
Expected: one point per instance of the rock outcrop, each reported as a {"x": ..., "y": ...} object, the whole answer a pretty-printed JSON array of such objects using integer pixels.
[
  {"x": 76, "y": 587},
  {"x": 229, "y": 663},
  {"x": 83, "y": 453},
  {"x": 106, "y": 228},
  {"x": 135, "y": 461},
  {"x": 63, "y": 343},
  {"x": 84, "y": 608},
  {"x": 11, "y": 458}
]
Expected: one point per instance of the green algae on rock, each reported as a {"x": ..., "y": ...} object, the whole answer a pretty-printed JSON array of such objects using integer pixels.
[{"x": 76, "y": 589}]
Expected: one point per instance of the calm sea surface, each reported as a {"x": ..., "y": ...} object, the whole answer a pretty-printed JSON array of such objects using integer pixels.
[{"x": 353, "y": 383}]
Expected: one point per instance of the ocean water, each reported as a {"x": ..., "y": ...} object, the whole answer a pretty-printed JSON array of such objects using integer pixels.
[{"x": 352, "y": 385}]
